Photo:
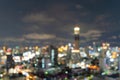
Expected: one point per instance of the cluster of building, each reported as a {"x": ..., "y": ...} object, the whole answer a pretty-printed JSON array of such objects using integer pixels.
[{"x": 105, "y": 59}]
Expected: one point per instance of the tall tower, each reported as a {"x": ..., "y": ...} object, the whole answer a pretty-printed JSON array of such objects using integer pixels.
[
  {"x": 76, "y": 37},
  {"x": 75, "y": 52}
]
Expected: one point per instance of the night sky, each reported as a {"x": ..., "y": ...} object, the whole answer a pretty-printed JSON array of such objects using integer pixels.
[{"x": 52, "y": 21}]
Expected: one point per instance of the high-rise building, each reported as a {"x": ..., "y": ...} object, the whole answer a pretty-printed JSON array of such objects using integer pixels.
[
  {"x": 75, "y": 52},
  {"x": 49, "y": 57},
  {"x": 76, "y": 37}
]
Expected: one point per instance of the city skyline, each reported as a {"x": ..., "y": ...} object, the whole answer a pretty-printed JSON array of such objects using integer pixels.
[{"x": 49, "y": 21}]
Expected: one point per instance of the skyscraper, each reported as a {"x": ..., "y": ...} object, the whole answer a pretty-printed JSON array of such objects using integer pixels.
[
  {"x": 76, "y": 37},
  {"x": 75, "y": 52}
]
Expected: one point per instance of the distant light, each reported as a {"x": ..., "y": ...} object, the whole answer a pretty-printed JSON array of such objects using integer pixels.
[
  {"x": 99, "y": 49},
  {"x": 46, "y": 72},
  {"x": 49, "y": 64},
  {"x": 75, "y": 51},
  {"x": 76, "y": 29},
  {"x": 65, "y": 78},
  {"x": 66, "y": 72},
  {"x": 69, "y": 44},
  {"x": 75, "y": 79},
  {"x": 1, "y": 75},
  {"x": 1, "y": 51}
]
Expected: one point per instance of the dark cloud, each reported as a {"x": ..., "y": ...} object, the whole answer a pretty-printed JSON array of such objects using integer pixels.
[
  {"x": 38, "y": 18},
  {"x": 39, "y": 36}
]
